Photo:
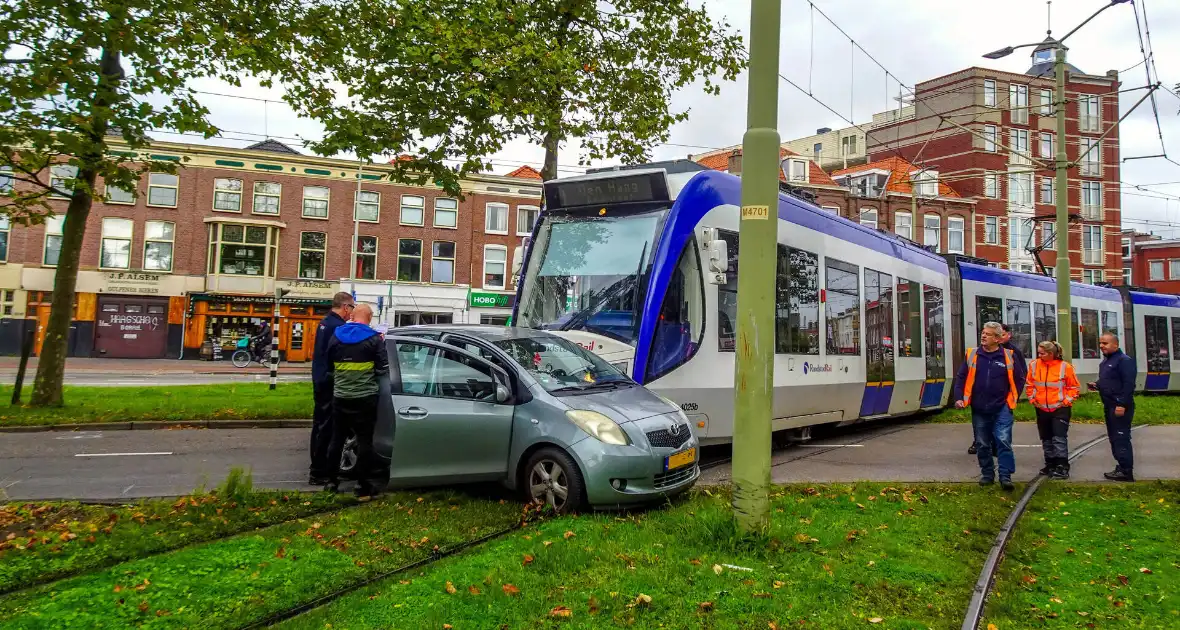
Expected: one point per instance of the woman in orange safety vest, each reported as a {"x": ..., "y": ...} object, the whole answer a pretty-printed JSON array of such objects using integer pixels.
[{"x": 1052, "y": 386}]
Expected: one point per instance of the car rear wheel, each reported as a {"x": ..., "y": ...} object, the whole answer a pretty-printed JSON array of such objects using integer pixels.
[{"x": 552, "y": 478}]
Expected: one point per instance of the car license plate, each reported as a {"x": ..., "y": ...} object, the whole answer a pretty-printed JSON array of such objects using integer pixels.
[{"x": 682, "y": 458}]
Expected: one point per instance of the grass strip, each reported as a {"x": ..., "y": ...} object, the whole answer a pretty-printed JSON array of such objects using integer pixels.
[
  {"x": 1102, "y": 555},
  {"x": 240, "y": 401},
  {"x": 1154, "y": 409},
  {"x": 234, "y": 581},
  {"x": 836, "y": 556},
  {"x": 42, "y": 542}
]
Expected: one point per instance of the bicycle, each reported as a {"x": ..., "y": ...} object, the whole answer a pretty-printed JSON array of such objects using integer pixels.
[{"x": 245, "y": 355}]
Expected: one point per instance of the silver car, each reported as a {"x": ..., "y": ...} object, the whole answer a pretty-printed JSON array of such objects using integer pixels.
[{"x": 529, "y": 409}]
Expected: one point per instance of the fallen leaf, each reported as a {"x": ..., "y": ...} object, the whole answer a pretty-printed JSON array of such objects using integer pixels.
[
  {"x": 447, "y": 626},
  {"x": 1056, "y": 600},
  {"x": 527, "y": 560},
  {"x": 510, "y": 590},
  {"x": 1028, "y": 579},
  {"x": 451, "y": 588},
  {"x": 569, "y": 535},
  {"x": 642, "y": 600},
  {"x": 778, "y": 584},
  {"x": 876, "y": 620},
  {"x": 561, "y": 611},
  {"x": 717, "y": 569},
  {"x": 143, "y": 606},
  {"x": 316, "y": 525},
  {"x": 1123, "y": 579},
  {"x": 281, "y": 553},
  {"x": 118, "y": 589},
  {"x": 860, "y": 505},
  {"x": 547, "y": 543},
  {"x": 992, "y": 626},
  {"x": 1145, "y": 570},
  {"x": 802, "y": 538},
  {"x": 473, "y": 590},
  {"x": 772, "y": 625},
  {"x": 705, "y": 607}
]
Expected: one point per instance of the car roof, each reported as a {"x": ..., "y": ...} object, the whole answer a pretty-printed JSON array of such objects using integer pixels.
[{"x": 487, "y": 332}]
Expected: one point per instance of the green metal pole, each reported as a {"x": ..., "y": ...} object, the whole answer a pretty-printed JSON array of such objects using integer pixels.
[
  {"x": 758, "y": 236},
  {"x": 1065, "y": 330}
]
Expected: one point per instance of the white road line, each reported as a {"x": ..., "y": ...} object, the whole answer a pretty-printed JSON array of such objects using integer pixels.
[
  {"x": 117, "y": 454},
  {"x": 85, "y": 435},
  {"x": 830, "y": 445}
]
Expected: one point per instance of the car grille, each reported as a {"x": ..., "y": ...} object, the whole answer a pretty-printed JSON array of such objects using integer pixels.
[
  {"x": 663, "y": 438},
  {"x": 673, "y": 477}
]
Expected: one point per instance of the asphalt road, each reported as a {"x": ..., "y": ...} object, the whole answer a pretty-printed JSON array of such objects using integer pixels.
[{"x": 131, "y": 464}]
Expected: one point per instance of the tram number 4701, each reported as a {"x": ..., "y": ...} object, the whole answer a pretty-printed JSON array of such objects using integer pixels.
[{"x": 689, "y": 407}]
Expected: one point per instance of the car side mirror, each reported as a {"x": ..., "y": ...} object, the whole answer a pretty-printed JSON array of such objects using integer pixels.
[{"x": 502, "y": 394}]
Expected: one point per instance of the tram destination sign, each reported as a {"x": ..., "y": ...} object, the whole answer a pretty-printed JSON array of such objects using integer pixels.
[{"x": 608, "y": 190}]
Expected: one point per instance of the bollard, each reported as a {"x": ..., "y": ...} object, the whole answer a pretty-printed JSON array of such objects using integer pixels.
[{"x": 26, "y": 348}]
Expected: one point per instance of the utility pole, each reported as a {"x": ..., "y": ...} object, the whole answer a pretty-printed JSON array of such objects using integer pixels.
[
  {"x": 757, "y": 258},
  {"x": 1065, "y": 330}
]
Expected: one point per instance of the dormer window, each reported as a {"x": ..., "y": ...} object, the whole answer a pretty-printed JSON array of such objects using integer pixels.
[
  {"x": 925, "y": 183},
  {"x": 798, "y": 172},
  {"x": 1044, "y": 55}
]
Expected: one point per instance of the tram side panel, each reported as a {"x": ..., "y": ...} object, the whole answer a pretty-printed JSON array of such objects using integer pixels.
[{"x": 1156, "y": 332}]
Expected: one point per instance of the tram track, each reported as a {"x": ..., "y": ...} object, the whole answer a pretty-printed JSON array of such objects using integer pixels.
[{"x": 987, "y": 575}]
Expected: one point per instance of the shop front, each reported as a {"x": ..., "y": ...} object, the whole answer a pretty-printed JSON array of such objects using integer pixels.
[
  {"x": 14, "y": 320},
  {"x": 490, "y": 307},
  {"x": 405, "y": 304}
]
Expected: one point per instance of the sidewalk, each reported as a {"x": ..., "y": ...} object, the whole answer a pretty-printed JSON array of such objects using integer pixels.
[{"x": 87, "y": 365}]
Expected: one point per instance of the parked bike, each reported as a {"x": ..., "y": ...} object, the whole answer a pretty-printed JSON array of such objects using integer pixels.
[{"x": 245, "y": 354}]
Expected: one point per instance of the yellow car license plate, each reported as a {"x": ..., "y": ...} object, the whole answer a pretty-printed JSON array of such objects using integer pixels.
[{"x": 683, "y": 458}]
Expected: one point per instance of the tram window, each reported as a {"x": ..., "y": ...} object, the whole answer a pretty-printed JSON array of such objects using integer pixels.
[
  {"x": 1090, "y": 334},
  {"x": 843, "y": 307},
  {"x": 1020, "y": 320},
  {"x": 1175, "y": 336},
  {"x": 909, "y": 318},
  {"x": 1155, "y": 332},
  {"x": 879, "y": 325},
  {"x": 1045, "y": 320},
  {"x": 1076, "y": 337},
  {"x": 1110, "y": 322},
  {"x": 682, "y": 318},
  {"x": 727, "y": 297},
  {"x": 796, "y": 309},
  {"x": 935, "y": 348},
  {"x": 987, "y": 309}
]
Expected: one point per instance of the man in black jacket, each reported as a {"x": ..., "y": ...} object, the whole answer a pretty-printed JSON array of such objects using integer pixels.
[
  {"x": 321, "y": 384},
  {"x": 1116, "y": 386},
  {"x": 356, "y": 362},
  {"x": 1020, "y": 370}
]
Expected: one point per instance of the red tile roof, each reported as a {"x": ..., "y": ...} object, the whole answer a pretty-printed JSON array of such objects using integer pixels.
[
  {"x": 899, "y": 175},
  {"x": 526, "y": 172},
  {"x": 719, "y": 161},
  {"x": 402, "y": 158}
]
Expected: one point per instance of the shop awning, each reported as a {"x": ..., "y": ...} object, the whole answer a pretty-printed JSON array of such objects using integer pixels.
[{"x": 221, "y": 298}]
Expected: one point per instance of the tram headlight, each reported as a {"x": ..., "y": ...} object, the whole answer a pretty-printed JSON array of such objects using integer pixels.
[{"x": 599, "y": 426}]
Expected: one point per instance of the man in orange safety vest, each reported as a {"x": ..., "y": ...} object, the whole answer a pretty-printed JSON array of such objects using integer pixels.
[
  {"x": 1052, "y": 386},
  {"x": 987, "y": 382}
]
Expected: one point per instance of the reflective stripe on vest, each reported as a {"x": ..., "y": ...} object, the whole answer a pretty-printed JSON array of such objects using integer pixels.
[
  {"x": 1046, "y": 386},
  {"x": 354, "y": 367},
  {"x": 1009, "y": 362}
]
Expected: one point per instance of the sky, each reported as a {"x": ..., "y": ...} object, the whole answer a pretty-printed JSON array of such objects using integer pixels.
[{"x": 916, "y": 40}]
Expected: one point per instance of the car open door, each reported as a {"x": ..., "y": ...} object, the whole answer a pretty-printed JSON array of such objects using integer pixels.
[{"x": 453, "y": 415}]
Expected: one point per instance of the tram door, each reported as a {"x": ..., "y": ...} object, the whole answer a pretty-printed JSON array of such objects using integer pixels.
[{"x": 879, "y": 343}]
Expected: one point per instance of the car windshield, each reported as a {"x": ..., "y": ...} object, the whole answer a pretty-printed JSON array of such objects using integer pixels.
[
  {"x": 560, "y": 364},
  {"x": 587, "y": 273}
]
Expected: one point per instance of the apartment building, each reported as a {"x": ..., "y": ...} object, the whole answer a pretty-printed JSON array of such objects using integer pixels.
[{"x": 1130, "y": 239}]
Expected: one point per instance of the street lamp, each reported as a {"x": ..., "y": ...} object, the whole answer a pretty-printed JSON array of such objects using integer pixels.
[{"x": 1065, "y": 331}]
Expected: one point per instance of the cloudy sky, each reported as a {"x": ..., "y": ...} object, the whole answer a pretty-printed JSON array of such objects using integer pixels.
[{"x": 916, "y": 40}]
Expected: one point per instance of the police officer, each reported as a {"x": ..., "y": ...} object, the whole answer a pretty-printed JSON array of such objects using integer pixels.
[
  {"x": 1116, "y": 386},
  {"x": 987, "y": 383},
  {"x": 1020, "y": 366},
  {"x": 321, "y": 383}
]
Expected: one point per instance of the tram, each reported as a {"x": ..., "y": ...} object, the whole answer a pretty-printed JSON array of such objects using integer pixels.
[{"x": 640, "y": 266}]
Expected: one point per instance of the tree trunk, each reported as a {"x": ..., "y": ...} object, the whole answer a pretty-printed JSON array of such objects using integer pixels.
[
  {"x": 51, "y": 365},
  {"x": 549, "y": 170}
]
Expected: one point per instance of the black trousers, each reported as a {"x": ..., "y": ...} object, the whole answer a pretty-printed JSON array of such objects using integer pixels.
[
  {"x": 1053, "y": 427},
  {"x": 1118, "y": 430},
  {"x": 355, "y": 415},
  {"x": 321, "y": 431}
]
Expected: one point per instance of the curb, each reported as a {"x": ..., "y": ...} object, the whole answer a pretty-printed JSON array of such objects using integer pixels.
[{"x": 150, "y": 425}]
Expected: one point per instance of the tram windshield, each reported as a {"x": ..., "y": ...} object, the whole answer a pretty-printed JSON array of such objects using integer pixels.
[{"x": 589, "y": 273}]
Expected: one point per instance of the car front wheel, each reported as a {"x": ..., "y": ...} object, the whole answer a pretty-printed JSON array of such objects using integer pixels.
[{"x": 552, "y": 478}]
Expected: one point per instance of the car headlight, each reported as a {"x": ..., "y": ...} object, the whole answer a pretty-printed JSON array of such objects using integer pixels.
[{"x": 598, "y": 425}]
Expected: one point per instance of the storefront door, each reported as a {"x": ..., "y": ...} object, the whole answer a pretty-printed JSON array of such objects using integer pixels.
[
  {"x": 131, "y": 327},
  {"x": 297, "y": 348}
]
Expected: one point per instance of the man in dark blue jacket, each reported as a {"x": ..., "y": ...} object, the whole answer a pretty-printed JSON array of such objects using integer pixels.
[
  {"x": 987, "y": 383},
  {"x": 1116, "y": 386},
  {"x": 1020, "y": 368},
  {"x": 321, "y": 383}
]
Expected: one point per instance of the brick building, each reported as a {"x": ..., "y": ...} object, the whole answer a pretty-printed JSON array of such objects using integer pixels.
[
  {"x": 992, "y": 136},
  {"x": 798, "y": 171},
  {"x": 1130, "y": 239},
  {"x": 1156, "y": 265},
  {"x": 193, "y": 263}
]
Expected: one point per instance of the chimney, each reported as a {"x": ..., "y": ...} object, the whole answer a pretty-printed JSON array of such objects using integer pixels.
[
  {"x": 735, "y": 162},
  {"x": 823, "y": 130}
]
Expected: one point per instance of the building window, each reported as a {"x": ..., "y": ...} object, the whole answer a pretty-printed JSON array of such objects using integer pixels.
[
  {"x": 315, "y": 201},
  {"x": 53, "y": 231},
  {"x": 1089, "y": 113},
  {"x": 1018, "y": 143},
  {"x": 991, "y": 185},
  {"x": 1091, "y": 156},
  {"x": 1020, "y": 189},
  {"x": 526, "y": 217},
  {"x": 842, "y": 284},
  {"x": 991, "y": 136},
  {"x": 796, "y": 320},
  {"x": 365, "y": 258},
  {"x": 1092, "y": 201},
  {"x": 1155, "y": 270},
  {"x": 5, "y": 180},
  {"x": 5, "y": 226},
  {"x": 158, "y": 237},
  {"x": 1018, "y": 103},
  {"x": 1092, "y": 245},
  {"x": 903, "y": 224},
  {"x": 848, "y": 145},
  {"x": 1127, "y": 276},
  {"x": 991, "y": 230},
  {"x": 367, "y": 207},
  {"x": 925, "y": 183},
  {"x": 1047, "y": 229},
  {"x": 1046, "y": 102},
  {"x": 242, "y": 250},
  {"x": 495, "y": 266},
  {"x": 163, "y": 189},
  {"x": 954, "y": 235},
  {"x": 115, "y": 194},
  {"x": 1020, "y": 235},
  {"x": 989, "y": 93},
  {"x": 496, "y": 218},
  {"x": 409, "y": 260},
  {"x": 446, "y": 213},
  {"x": 115, "y": 251},
  {"x": 313, "y": 251},
  {"x": 931, "y": 231},
  {"x": 868, "y": 217},
  {"x": 442, "y": 263},
  {"x": 1174, "y": 269},
  {"x": 798, "y": 171},
  {"x": 413, "y": 208},
  {"x": 227, "y": 194},
  {"x": 1091, "y": 276},
  {"x": 1126, "y": 248},
  {"x": 831, "y": 209},
  {"x": 59, "y": 175},
  {"x": 1047, "y": 150},
  {"x": 266, "y": 197},
  {"x": 1048, "y": 186}
]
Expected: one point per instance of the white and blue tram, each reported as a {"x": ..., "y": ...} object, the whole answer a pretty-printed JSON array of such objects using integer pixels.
[{"x": 640, "y": 266}]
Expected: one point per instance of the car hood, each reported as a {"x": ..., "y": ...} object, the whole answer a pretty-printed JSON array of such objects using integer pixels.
[{"x": 621, "y": 405}]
